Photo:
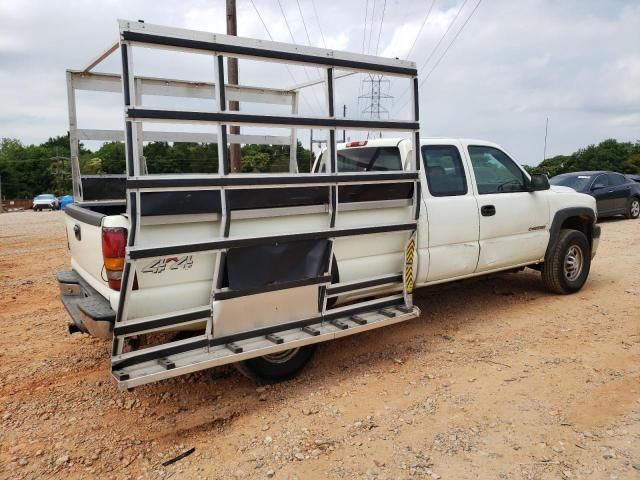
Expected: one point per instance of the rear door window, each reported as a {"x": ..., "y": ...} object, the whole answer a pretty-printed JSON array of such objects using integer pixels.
[
  {"x": 444, "y": 170},
  {"x": 369, "y": 159}
]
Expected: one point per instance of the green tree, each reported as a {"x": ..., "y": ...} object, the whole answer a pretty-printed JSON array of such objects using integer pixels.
[{"x": 623, "y": 157}]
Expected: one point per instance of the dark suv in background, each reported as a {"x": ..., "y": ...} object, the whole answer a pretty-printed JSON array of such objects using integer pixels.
[{"x": 615, "y": 194}]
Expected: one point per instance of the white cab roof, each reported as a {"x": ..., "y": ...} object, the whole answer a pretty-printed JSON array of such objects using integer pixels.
[{"x": 394, "y": 142}]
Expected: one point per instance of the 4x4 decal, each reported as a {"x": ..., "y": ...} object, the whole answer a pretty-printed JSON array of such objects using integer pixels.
[{"x": 172, "y": 263}]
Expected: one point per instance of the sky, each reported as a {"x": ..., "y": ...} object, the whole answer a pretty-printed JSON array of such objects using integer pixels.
[{"x": 496, "y": 74}]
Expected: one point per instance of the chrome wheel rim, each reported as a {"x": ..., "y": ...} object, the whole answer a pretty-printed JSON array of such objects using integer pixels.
[
  {"x": 281, "y": 357},
  {"x": 635, "y": 208},
  {"x": 573, "y": 262}
]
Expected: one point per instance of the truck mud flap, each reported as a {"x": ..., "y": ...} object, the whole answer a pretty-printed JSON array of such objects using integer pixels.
[{"x": 269, "y": 291}]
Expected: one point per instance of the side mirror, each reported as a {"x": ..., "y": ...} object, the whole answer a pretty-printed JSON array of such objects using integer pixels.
[
  {"x": 597, "y": 186},
  {"x": 539, "y": 181}
]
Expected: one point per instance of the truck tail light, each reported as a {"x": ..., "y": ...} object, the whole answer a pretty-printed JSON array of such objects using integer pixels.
[
  {"x": 360, "y": 143},
  {"x": 114, "y": 242}
]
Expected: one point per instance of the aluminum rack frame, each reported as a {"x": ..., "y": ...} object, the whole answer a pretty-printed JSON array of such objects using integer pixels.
[{"x": 227, "y": 190}]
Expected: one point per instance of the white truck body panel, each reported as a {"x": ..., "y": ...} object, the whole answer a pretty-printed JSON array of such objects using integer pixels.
[{"x": 454, "y": 241}]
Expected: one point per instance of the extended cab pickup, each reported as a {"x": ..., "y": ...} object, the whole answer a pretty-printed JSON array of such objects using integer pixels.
[
  {"x": 481, "y": 213},
  {"x": 188, "y": 271}
]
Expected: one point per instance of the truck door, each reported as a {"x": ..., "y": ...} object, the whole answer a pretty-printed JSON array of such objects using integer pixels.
[
  {"x": 514, "y": 222},
  {"x": 452, "y": 215}
]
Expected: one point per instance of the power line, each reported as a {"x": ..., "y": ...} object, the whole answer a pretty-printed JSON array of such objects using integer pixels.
[
  {"x": 303, "y": 22},
  {"x": 444, "y": 35},
  {"x": 313, "y": 4},
  {"x": 452, "y": 42},
  {"x": 448, "y": 46},
  {"x": 364, "y": 31},
  {"x": 286, "y": 22},
  {"x": 424, "y": 22},
  {"x": 373, "y": 16},
  {"x": 294, "y": 41},
  {"x": 415, "y": 40},
  {"x": 260, "y": 17},
  {"x": 464, "y": 3},
  {"x": 384, "y": 9},
  {"x": 287, "y": 66}
]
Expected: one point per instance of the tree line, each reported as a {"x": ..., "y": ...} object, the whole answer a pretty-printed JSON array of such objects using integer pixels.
[
  {"x": 622, "y": 157},
  {"x": 28, "y": 170}
]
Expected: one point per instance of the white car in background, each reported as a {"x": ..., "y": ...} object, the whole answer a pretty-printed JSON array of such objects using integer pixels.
[{"x": 45, "y": 201}]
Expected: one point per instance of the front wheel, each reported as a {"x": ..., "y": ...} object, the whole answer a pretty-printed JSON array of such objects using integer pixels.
[
  {"x": 566, "y": 268},
  {"x": 633, "y": 208},
  {"x": 282, "y": 365}
]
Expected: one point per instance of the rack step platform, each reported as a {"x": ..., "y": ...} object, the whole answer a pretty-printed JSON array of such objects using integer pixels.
[{"x": 210, "y": 353}]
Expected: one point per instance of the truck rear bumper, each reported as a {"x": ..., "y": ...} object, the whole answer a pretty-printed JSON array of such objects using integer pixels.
[{"x": 90, "y": 311}]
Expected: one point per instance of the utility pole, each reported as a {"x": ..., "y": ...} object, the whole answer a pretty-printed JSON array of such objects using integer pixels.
[
  {"x": 344, "y": 132},
  {"x": 232, "y": 72},
  {"x": 546, "y": 130},
  {"x": 311, "y": 142},
  {"x": 1, "y": 194}
]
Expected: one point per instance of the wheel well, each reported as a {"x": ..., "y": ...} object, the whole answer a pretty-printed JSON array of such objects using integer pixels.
[
  {"x": 577, "y": 223},
  {"x": 580, "y": 223}
]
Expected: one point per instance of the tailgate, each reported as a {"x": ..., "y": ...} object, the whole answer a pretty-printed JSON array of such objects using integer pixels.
[{"x": 84, "y": 232}]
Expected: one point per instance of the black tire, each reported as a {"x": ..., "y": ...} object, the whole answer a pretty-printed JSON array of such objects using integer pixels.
[
  {"x": 560, "y": 273},
  {"x": 280, "y": 366},
  {"x": 633, "y": 208}
]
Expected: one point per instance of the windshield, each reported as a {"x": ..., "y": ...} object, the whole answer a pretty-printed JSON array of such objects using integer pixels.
[
  {"x": 577, "y": 182},
  {"x": 369, "y": 159},
  {"x": 45, "y": 196}
]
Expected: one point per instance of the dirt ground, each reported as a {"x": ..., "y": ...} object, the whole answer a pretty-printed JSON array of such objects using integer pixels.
[{"x": 496, "y": 379}]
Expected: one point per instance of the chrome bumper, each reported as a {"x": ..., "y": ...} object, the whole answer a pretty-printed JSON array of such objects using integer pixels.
[{"x": 90, "y": 311}]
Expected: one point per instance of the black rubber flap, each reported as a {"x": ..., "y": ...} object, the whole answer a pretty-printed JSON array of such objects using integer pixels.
[
  {"x": 277, "y": 197},
  {"x": 180, "y": 202},
  {"x": 255, "y": 267},
  {"x": 375, "y": 192},
  {"x": 104, "y": 188}
]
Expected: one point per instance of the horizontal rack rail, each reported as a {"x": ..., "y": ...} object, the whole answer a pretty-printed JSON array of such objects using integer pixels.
[
  {"x": 275, "y": 121},
  {"x": 137, "y": 253}
]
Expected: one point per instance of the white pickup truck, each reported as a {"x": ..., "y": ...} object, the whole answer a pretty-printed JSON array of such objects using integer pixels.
[
  {"x": 481, "y": 214},
  {"x": 256, "y": 269}
]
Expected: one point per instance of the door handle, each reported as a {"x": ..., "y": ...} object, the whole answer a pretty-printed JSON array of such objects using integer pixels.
[
  {"x": 610, "y": 191},
  {"x": 488, "y": 210}
]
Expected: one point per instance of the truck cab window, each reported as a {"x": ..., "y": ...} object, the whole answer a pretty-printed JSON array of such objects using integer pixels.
[
  {"x": 368, "y": 159},
  {"x": 444, "y": 170},
  {"x": 495, "y": 172}
]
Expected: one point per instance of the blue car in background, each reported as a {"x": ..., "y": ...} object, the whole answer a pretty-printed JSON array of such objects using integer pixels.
[{"x": 64, "y": 201}]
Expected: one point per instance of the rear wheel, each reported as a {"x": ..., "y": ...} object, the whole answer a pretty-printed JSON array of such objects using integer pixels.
[
  {"x": 633, "y": 208},
  {"x": 566, "y": 268},
  {"x": 282, "y": 365}
]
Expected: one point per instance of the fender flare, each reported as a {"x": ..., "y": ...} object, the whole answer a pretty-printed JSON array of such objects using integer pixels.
[{"x": 563, "y": 214}]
